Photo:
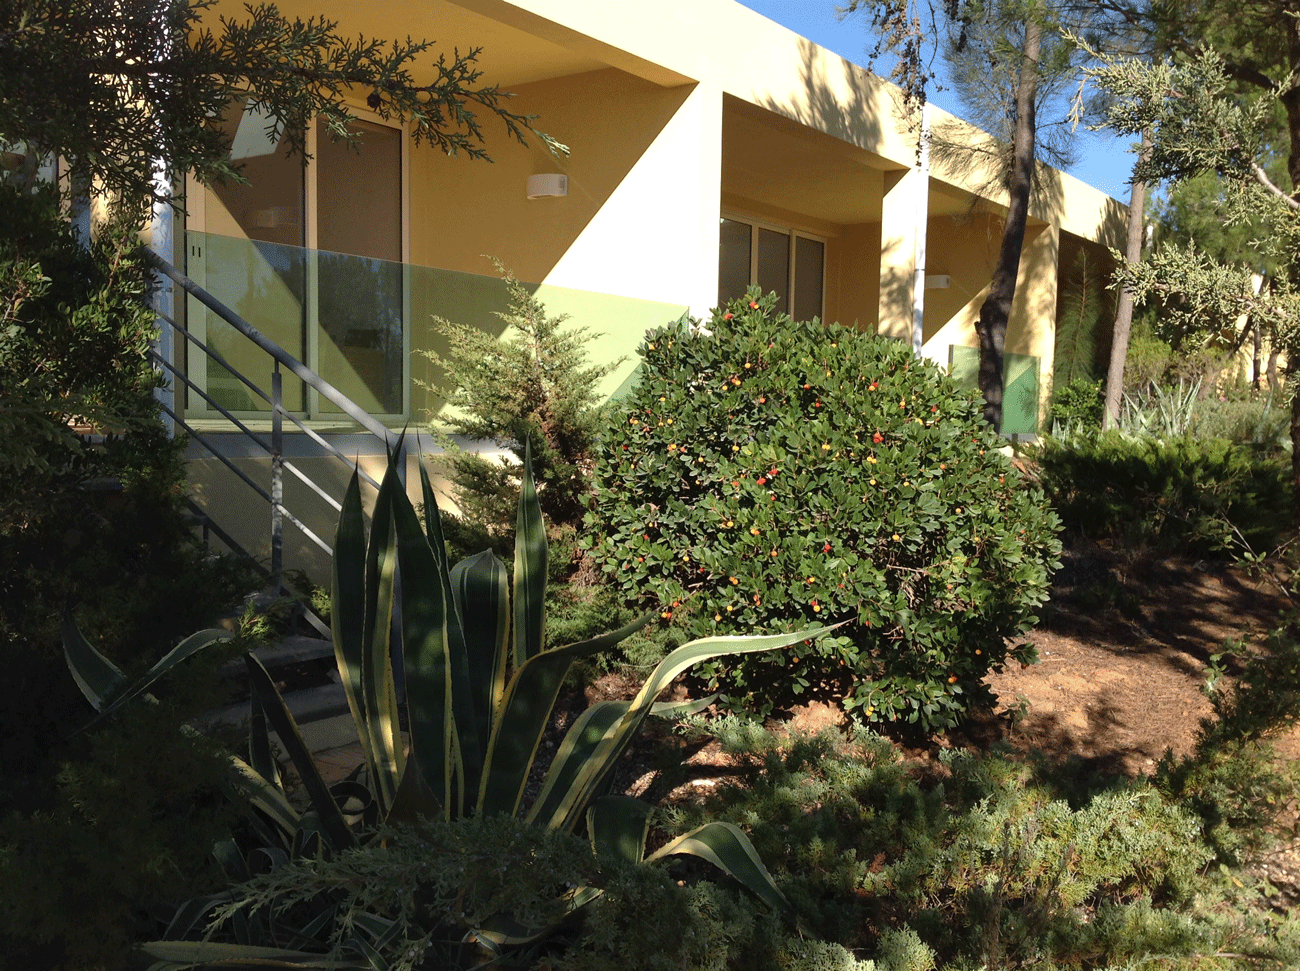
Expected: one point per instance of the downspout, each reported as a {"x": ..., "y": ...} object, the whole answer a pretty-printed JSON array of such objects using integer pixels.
[
  {"x": 162, "y": 242},
  {"x": 918, "y": 284},
  {"x": 162, "y": 239}
]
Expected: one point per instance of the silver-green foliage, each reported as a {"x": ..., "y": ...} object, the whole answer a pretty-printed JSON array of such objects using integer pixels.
[{"x": 995, "y": 866}]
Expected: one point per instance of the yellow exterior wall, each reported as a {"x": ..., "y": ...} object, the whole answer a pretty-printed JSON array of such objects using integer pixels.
[
  {"x": 852, "y": 285},
  {"x": 643, "y": 99}
]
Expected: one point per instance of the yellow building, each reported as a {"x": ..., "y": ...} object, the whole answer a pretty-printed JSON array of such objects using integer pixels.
[{"x": 711, "y": 149}]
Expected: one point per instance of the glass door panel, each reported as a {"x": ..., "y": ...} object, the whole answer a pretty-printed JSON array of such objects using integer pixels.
[
  {"x": 252, "y": 259},
  {"x": 733, "y": 260},
  {"x": 809, "y": 261},
  {"x": 359, "y": 336},
  {"x": 774, "y": 264}
]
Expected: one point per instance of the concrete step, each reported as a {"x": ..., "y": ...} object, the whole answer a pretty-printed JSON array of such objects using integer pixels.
[{"x": 290, "y": 649}]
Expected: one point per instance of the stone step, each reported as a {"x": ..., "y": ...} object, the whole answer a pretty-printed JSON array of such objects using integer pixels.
[{"x": 290, "y": 649}]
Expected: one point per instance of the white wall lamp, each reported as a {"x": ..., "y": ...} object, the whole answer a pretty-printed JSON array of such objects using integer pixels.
[
  {"x": 548, "y": 185},
  {"x": 937, "y": 281}
]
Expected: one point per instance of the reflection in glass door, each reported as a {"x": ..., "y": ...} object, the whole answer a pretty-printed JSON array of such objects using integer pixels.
[
  {"x": 359, "y": 340},
  {"x": 311, "y": 255}
]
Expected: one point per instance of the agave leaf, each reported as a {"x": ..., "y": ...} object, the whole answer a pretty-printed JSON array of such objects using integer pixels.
[
  {"x": 586, "y": 732},
  {"x": 190, "y": 915},
  {"x": 480, "y": 591},
  {"x": 381, "y": 929},
  {"x": 429, "y": 688},
  {"x": 260, "y": 756},
  {"x": 501, "y": 930},
  {"x": 530, "y": 569},
  {"x": 374, "y": 960},
  {"x": 517, "y": 731},
  {"x": 617, "y": 826},
  {"x": 348, "y": 609},
  {"x": 96, "y": 676},
  {"x": 264, "y": 694},
  {"x": 378, "y": 690},
  {"x": 580, "y": 741},
  {"x": 471, "y": 720},
  {"x": 432, "y": 517},
  {"x": 181, "y": 955},
  {"x": 414, "y": 797},
  {"x": 729, "y": 849},
  {"x": 607, "y": 753},
  {"x": 99, "y": 678},
  {"x": 185, "y": 649},
  {"x": 244, "y": 782},
  {"x": 682, "y": 709}
]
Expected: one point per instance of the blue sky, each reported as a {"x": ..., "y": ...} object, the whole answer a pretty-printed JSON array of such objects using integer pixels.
[{"x": 1104, "y": 161}]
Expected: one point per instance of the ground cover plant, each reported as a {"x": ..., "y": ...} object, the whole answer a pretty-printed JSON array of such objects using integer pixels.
[
  {"x": 768, "y": 473},
  {"x": 986, "y": 863},
  {"x": 1184, "y": 492}
]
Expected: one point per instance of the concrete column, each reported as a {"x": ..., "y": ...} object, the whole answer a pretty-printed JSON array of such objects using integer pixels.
[{"x": 902, "y": 218}]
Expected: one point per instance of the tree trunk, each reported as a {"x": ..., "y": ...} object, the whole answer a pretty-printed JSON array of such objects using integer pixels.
[
  {"x": 1293, "y": 378},
  {"x": 1124, "y": 307},
  {"x": 991, "y": 328},
  {"x": 1254, "y": 357}
]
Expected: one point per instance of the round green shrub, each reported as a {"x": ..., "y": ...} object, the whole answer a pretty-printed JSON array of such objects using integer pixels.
[{"x": 766, "y": 474}]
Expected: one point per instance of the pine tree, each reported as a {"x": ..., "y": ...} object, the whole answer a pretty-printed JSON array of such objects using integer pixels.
[{"x": 533, "y": 384}]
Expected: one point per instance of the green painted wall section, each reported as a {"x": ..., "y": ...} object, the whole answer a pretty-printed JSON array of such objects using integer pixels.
[{"x": 1019, "y": 382}]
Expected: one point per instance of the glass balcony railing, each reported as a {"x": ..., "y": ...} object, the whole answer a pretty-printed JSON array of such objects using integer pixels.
[{"x": 362, "y": 324}]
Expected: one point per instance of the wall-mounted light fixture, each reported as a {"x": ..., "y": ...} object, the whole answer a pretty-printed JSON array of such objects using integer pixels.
[
  {"x": 937, "y": 281},
  {"x": 548, "y": 185}
]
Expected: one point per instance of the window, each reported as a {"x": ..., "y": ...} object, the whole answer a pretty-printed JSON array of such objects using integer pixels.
[
  {"x": 791, "y": 263},
  {"x": 311, "y": 255}
]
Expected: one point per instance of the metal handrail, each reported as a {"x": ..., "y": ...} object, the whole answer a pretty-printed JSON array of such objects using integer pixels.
[
  {"x": 279, "y": 354},
  {"x": 275, "y": 449}
]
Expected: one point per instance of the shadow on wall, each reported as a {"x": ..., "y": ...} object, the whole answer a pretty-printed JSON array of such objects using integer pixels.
[{"x": 823, "y": 107}]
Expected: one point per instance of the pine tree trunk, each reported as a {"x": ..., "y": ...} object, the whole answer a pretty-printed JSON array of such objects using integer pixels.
[
  {"x": 1124, "y": 307},
  {"x": 995, "y": 312}
]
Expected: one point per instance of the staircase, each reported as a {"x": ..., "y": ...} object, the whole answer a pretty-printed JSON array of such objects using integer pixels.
[{"x": 321, "y": 711}]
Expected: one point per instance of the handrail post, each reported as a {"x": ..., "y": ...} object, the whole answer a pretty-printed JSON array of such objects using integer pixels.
[{"x": 277, "y": 478}]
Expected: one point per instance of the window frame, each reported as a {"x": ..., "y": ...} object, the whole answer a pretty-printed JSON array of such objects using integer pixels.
[{"x": 793, "y": 234}]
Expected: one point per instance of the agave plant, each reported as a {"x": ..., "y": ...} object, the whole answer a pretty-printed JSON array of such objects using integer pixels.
[{"x": 480, "y": 686}]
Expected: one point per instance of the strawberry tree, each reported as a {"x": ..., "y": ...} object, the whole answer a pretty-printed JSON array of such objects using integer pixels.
[{"x": 766, "y": 474}]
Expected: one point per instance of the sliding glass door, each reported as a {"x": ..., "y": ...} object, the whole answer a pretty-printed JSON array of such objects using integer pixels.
[{"x": 312, "y": 255}]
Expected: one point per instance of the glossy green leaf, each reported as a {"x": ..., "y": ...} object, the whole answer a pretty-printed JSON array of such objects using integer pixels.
[
  {"x": 617, "y": 825},
  {"x": 264, "y": 694},
  {"x": 729, "y": 849},
  {"x": 530, "y": 570}
]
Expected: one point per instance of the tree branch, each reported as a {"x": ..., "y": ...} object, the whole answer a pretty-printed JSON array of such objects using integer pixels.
[{"x": 1262, "y": 178}]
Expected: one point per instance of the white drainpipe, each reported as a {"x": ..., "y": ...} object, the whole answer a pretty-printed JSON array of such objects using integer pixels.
[{"x": 918, "y": 285}]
